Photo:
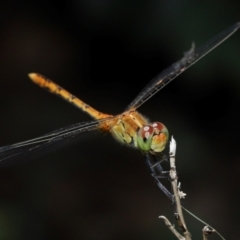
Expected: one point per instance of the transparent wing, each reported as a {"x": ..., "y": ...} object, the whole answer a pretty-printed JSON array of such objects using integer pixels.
[
  {"x": 189, "y": 58},
  {"x": 37, "y": 147}
]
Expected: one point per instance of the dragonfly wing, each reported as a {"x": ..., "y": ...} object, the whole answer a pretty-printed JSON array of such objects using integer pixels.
[
  {"x": 40, "y": 146},
  {"x": 190, "y": 57}
]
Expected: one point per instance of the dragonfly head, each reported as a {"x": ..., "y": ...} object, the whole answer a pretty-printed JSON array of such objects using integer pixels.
[{"x": 152, "y": 137}]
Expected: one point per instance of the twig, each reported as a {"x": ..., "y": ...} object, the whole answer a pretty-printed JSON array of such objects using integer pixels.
[
  {"x": 207, "y": 231},
  {"x": 176, "y": 191},
  {"x": 172, "y": 228},
  {"x": 208, "y": 228}
]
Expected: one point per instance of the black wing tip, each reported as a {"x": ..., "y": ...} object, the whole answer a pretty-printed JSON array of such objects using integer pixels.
[{"x": 236, "y": 26}]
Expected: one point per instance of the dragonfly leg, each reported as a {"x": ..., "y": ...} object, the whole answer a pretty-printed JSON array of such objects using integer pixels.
[
  {"x": 161, "y": 173},
  {"x": 157, "y": 172},
  {"x": 155, "y": 163}
]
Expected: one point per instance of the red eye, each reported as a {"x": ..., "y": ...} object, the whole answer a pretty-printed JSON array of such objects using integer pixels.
[
  {"x": 158, "y": 126},
  {"x": 146, "y": 131}
]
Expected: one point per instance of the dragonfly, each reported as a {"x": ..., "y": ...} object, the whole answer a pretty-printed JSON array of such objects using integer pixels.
[{"x": 129, "y": 128}]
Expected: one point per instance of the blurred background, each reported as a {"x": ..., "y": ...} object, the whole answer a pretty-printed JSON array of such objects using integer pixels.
[{"x": 105, "y": 52}]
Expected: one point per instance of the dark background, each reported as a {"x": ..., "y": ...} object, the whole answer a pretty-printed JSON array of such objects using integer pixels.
[{"x": 105, "y": 52}]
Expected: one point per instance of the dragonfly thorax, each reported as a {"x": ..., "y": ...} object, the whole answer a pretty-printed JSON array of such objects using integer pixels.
[{"x": 133, "y": 129}]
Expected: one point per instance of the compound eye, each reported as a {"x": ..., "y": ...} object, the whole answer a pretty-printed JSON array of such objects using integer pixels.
[
  {"x": 158, "y": 126},
  {"x": 145, "y": 132},
  {"x": 144, "y": 138},
  {"x": 160, "y": 137}
]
